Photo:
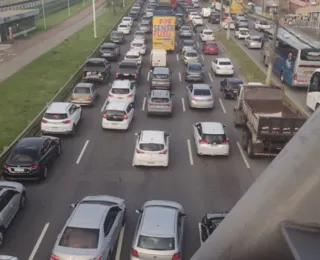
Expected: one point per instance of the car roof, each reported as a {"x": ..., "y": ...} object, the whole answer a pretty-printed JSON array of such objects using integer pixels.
[
  {"x": 121, "y": 83},
  {"x": 159, "y": 221},
  {"x": 161, "y": 70},
  {"x": 145, "y": 23},
  {"x": 83, "y": 85},
  {"x": 223, "y": 59},
  {"x": 159, "y": 93},
  {"x": 105, "y": 44},
  {"x": 58, "y": 107},
  {"x": 88, "y": 215},
  {"x": 151, "y": 136},
  {"x": 212, "y": 128},
  {"x": 94, "y": 60},
  {"x": 234, "y": 80},
  {"x": 133, "y": 53},
  {"x": 194, "y": 63},
  {"x": 200, "y": 86},
  {"x": 117, "y": 106}
]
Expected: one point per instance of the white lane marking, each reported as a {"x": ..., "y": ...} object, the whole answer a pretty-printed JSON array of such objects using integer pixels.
[
  {"x": 243, "y": 156},
  {"x": 183, "y": 105},
  {"x": 177, "y": 57},
  {"x": 211, "y": 79},
  {"x": 193, "y": 34},
  {"x": 148, "y": 77},
  {"x": 119, "y": 245},
  {"x": 179, "y": 76},
  {"x": 198, "y": 44},
  {"x": 143, "y": 104},
  {"x": 190, "y": 151},
  {"x": 104, "y": 105},
  {"x": 38, "y": 243},
  {"x": 199, "y": 226},
  {"x": 222, "y": 106},
  {"x": 202, "y": 57},
  {"x": 207, "y": 25},
  {"x": 82, "y": 151}
]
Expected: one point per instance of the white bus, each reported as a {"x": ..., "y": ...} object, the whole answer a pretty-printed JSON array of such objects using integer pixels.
[{"x": 313, "y": 94}]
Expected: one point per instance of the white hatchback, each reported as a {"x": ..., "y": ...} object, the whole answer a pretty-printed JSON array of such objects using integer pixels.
[
  {"x": 61, "y": 118},
  {"x": 117, "y": 115},
  {"x": 206, "y": 35},
  {"x": 125, "y": 28},
  {"x": 242, "y": 33},
  {"x": 122, "y": 91},
  {"x": 222, "y": 66},
  {"x": 211, "y": 139},
  {"x": 197, "y": 20},
  {"x": 139, "y": 46},
  {"x": 133, "y": 55},
  {"x": 152, "y": 149}
]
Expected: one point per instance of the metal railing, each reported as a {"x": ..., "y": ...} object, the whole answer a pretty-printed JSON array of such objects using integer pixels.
[{"x": 33, "y": 129}]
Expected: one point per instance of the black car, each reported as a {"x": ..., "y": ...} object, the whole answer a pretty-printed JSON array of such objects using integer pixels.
[
  {"x": 31, "y": 157},
  {"x": 134, "y": 15},
  {"x": 230, "y": 87},
  {"x": 209, "y": 223},
  {"x": 116, "y": 37},
  {"x": 214, "y": 18},
  {"x": 110, "y": 51},
  {"x": 194, "y": 72},
  {"x": 96, "y": 70},
  {"x": 128, "y": 69}
]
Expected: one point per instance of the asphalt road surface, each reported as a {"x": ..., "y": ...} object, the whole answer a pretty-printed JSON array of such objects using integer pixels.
[{"x": 100, "y": 162}]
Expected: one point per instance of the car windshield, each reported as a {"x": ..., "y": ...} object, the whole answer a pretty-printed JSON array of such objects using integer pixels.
[
  {"x": 211, "y": 45},
  {"x": 81, "y": 90},
  {"x": 132, "y": 56},
  {"x": 191, "y": 54},
  {"x": 160, "y": 100},
  {"x": 55, "y": 116},
  {"x": 195, "y": 67},
  {"x": 225, "y": 63},
  {"x": 25, "y": 154},
  {"x": 120, "y": 91},
  {"x": 264, "y": 22},
  {"x": 107, "y": 47},
  {"x": 123, "y": 26},
  {"x": 207, "y": 33},
  {"x": 214, "y": 139},
  {"x": 151, "y": 147},
  {"x": 87, "y": 238},
  {"x": 116, "y": 34},
  {"x": 202, "y": 92},
  {"x": 156, "y": 243},
  {"x": 256, "y": 39}
]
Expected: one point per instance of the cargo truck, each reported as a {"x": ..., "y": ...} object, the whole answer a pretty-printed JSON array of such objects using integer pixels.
[
  {"x": 164, "y": 32},
  {"x": 267, "y": 119}
]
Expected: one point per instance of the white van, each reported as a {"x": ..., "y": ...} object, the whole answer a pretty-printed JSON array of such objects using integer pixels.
[
  {"x": 158, "y": 58},
  {"x": 205, "y": 12},
  {"x": 195, "y": 3}
]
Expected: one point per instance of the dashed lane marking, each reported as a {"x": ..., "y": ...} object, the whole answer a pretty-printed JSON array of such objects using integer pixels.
[
  {"x": 211, "y": 79},
  {"x": 82, "y": 151},
  {"x": 183, "y": 105},
  {"x": 179, "y": 76},
  {"x": 199, "y": 226},
  {"x": 143, "y": 104},
  {"x": 148, "y": 77},
  {"x": 202, "y": 57},
  {"x": 177, "y": 57},
  {"x": 190, "y": 152},
  {"x": 104, "y": 105},
  {"x": 39, "y": 241},
  {"x": 222, "y": 106},
  {"x": 243, "y": 156}
]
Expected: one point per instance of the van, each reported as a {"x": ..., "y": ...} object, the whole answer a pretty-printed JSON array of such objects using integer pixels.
[
  {"x": 205, "y": 12},
  {"x": 158, "y": 58}
]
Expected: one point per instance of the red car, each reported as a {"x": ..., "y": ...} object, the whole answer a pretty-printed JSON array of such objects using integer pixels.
[{"x": 210, "y": 47}]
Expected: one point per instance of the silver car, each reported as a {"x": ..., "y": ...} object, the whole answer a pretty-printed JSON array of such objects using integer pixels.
[
  {"x": 200, "y": 96},
  {"x": 188, "y": 45},
  {"x": 253, "y": 42},
  {"x": 160, "y": 230},
  {"x": 159, "y": 102},
  {"x": 191, "y": 56},
  {"x": 8, "y": 257},
  {"x": 185, "y": 31},
  {"x": 92, "y": 230},
  {"x": 161, "y": 78},
  {"x": 139, "y": 35},
  {"x": 145, "y": 26},
  {"x": 84, "y": 94},
  {"x": 12, "y": 199}
]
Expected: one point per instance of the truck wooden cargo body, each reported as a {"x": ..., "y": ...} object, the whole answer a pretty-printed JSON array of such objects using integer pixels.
[{"x": 268, "y": 120}]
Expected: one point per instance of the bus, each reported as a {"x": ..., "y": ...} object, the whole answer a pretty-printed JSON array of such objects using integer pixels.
[
  {"x": 296, "y": 56},
  {"x": 313, "y": 93}
]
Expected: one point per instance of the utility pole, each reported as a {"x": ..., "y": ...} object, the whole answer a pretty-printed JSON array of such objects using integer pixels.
[
  {"x": 221, "y": 14},
  {"x": 272, "y": 49}
]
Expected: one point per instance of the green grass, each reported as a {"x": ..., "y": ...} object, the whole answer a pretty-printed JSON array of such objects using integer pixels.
[
  {"x": 26, "y": 92},
  {"x": 247, "y": 68}
]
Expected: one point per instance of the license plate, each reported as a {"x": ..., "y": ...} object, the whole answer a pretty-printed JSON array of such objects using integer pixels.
[
  {"x": 150, "y": 162},
  {"x": 19, "y": 170},
  {"x": 107, "y": 54},
  {"x": 114, "y": 123},
  {"x": 54, "y": 128},
  {"x": 119, "y": 97}
]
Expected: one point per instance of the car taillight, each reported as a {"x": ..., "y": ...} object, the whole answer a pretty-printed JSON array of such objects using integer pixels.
[
  {"x": 193, "y": 99},
  {"x": 295, "y": 76},
  {"x": 89, "y": 98},
  {"x": 169, "y": 105},
  {"x": 225, "y": 142},
  {"x": 176, "y": 256},
  {"x": 149, "y": 104},
  {"x": 66, "y": 122},
  {"x": 130, "y": 95},
  {"x": 97, "y": 258},
  {"x": 203, "y": 142},
  {"x": 110, "y": 95},
  {"x": 35, "y": 166},
  {"x": 117, "y": 75},
  {"x": 135, "y": 76},
  {"x": 125, "y": 117},
  {"x": 134, "y": 253},
  {"x": 139, "y": 151},
  {"x": 44, "y": 121},
  {"x": 164, "y": 152},
  {"x": 105, "y": 116},
  {"x": 53, "y": 257},
  {"x": 6, "y": 166},
  {"x": 83, "y": 75}
]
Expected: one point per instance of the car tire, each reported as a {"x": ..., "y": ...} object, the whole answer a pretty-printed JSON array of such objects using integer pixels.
[
  {"x": 23, "y": 200},
  {"x": 2, "y": 229},
  {"x": 44, "y": 174},
  {"x": 59, "y": 150}
]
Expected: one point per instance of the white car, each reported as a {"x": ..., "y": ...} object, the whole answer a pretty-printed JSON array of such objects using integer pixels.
[
  {"x": 193, "y": 14},
  {"x": 139, "y": 46},
  {"x": 241, "y": 33},
  {"x": 225, "y": 25},
  {"x": 262, "y": 25},
  {"x": 195, "y": 4},
  {"x": 138, "y": 35},
  {"x": 253, "y": 42},
  {"x": 211, "y": 139},
  {"x": 152, "y": 149},
  {"x": 205, "y": 12},
  {"x": 122, "y": 91},
  {"x": 222, "y": 66},
  {"x": 207, "y": 35},
  {"x": 61, "y": 118},
  {"x": 133, "y": 55},
  {"x": 125, "y": 28},
  {"x": 127, "y": 20},
  {"x": 197, "y": 20},
  {"x": 117, "y": 115}
]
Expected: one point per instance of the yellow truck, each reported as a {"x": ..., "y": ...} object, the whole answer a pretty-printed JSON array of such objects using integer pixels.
[
  {"x": 164, "y": 33},
  {"x": 236, "y": 6}
]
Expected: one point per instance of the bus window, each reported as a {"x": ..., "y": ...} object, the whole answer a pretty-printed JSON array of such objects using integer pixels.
[{"x": 315, "y": 83}]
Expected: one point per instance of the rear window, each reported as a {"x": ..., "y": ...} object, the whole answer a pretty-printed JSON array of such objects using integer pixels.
[
  {"x": 94, "y": 64},
  {"x": 211, "y": 44},
  {"x": 224, "y": 63},
  {"x": 151, "y": 147},
  {"x": 23, "y": 155},
  {"x": 123, "y": 26},
  {"x": 188, "y": 44},
  {"x": 156, "y": 243},
  {"x": 160, "y": 100},
  {"x": 128, "y": 65},
  {"x": 108, "y": 47},
  {"x": 56, "y": 116},
  {"x": 81, "y": 90},
  {"x": 115, "y": 113},
  {"x": 120, "y": 91},
  {"x": 202, "y": 92},
  {"x": 196, "y": 67},
  {"x": 256, "y": 39},
  {"x": 191, "y": 54},
  {"x": 185, "y": 28},
  {"x": 214, "y": 139},
  {"x": 160, "y": 76},
  {"x": 80, "y": 238},
  {"x": 207, "y": 33},
  {"x": 137, "y": 44}
]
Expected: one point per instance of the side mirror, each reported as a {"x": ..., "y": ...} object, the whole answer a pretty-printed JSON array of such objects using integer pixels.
[
  {"x": 137, "y": 133},
  {"x": 138, "y": 211},
  {"x": 73, "y": 205},
  {"x": 167, "y": 135},
  {"x": 224, "y": 126},
  {"x": 184, "y": 215},
  {"x": 211, "y": 87}
]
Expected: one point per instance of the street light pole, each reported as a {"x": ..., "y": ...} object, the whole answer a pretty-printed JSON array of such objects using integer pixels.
[
  {"x": 69, "y": 12},
  {"x": 94, "y": 19},
  {"x": 44, "y": 15},
  {"x": 221, "y": 14},
  {"x": 272, "y": 51}
]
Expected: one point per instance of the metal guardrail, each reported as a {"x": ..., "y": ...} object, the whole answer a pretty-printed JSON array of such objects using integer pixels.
[{"x": 33, "y": 129}]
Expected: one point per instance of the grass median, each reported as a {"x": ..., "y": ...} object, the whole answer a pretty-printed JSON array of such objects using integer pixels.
[
  {"x": 26, "y": 92},
  {"x": 247, "y": 68}
]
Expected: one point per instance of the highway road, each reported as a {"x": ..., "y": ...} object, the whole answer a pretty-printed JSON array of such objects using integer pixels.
[{"x": 100, "y": 162}]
